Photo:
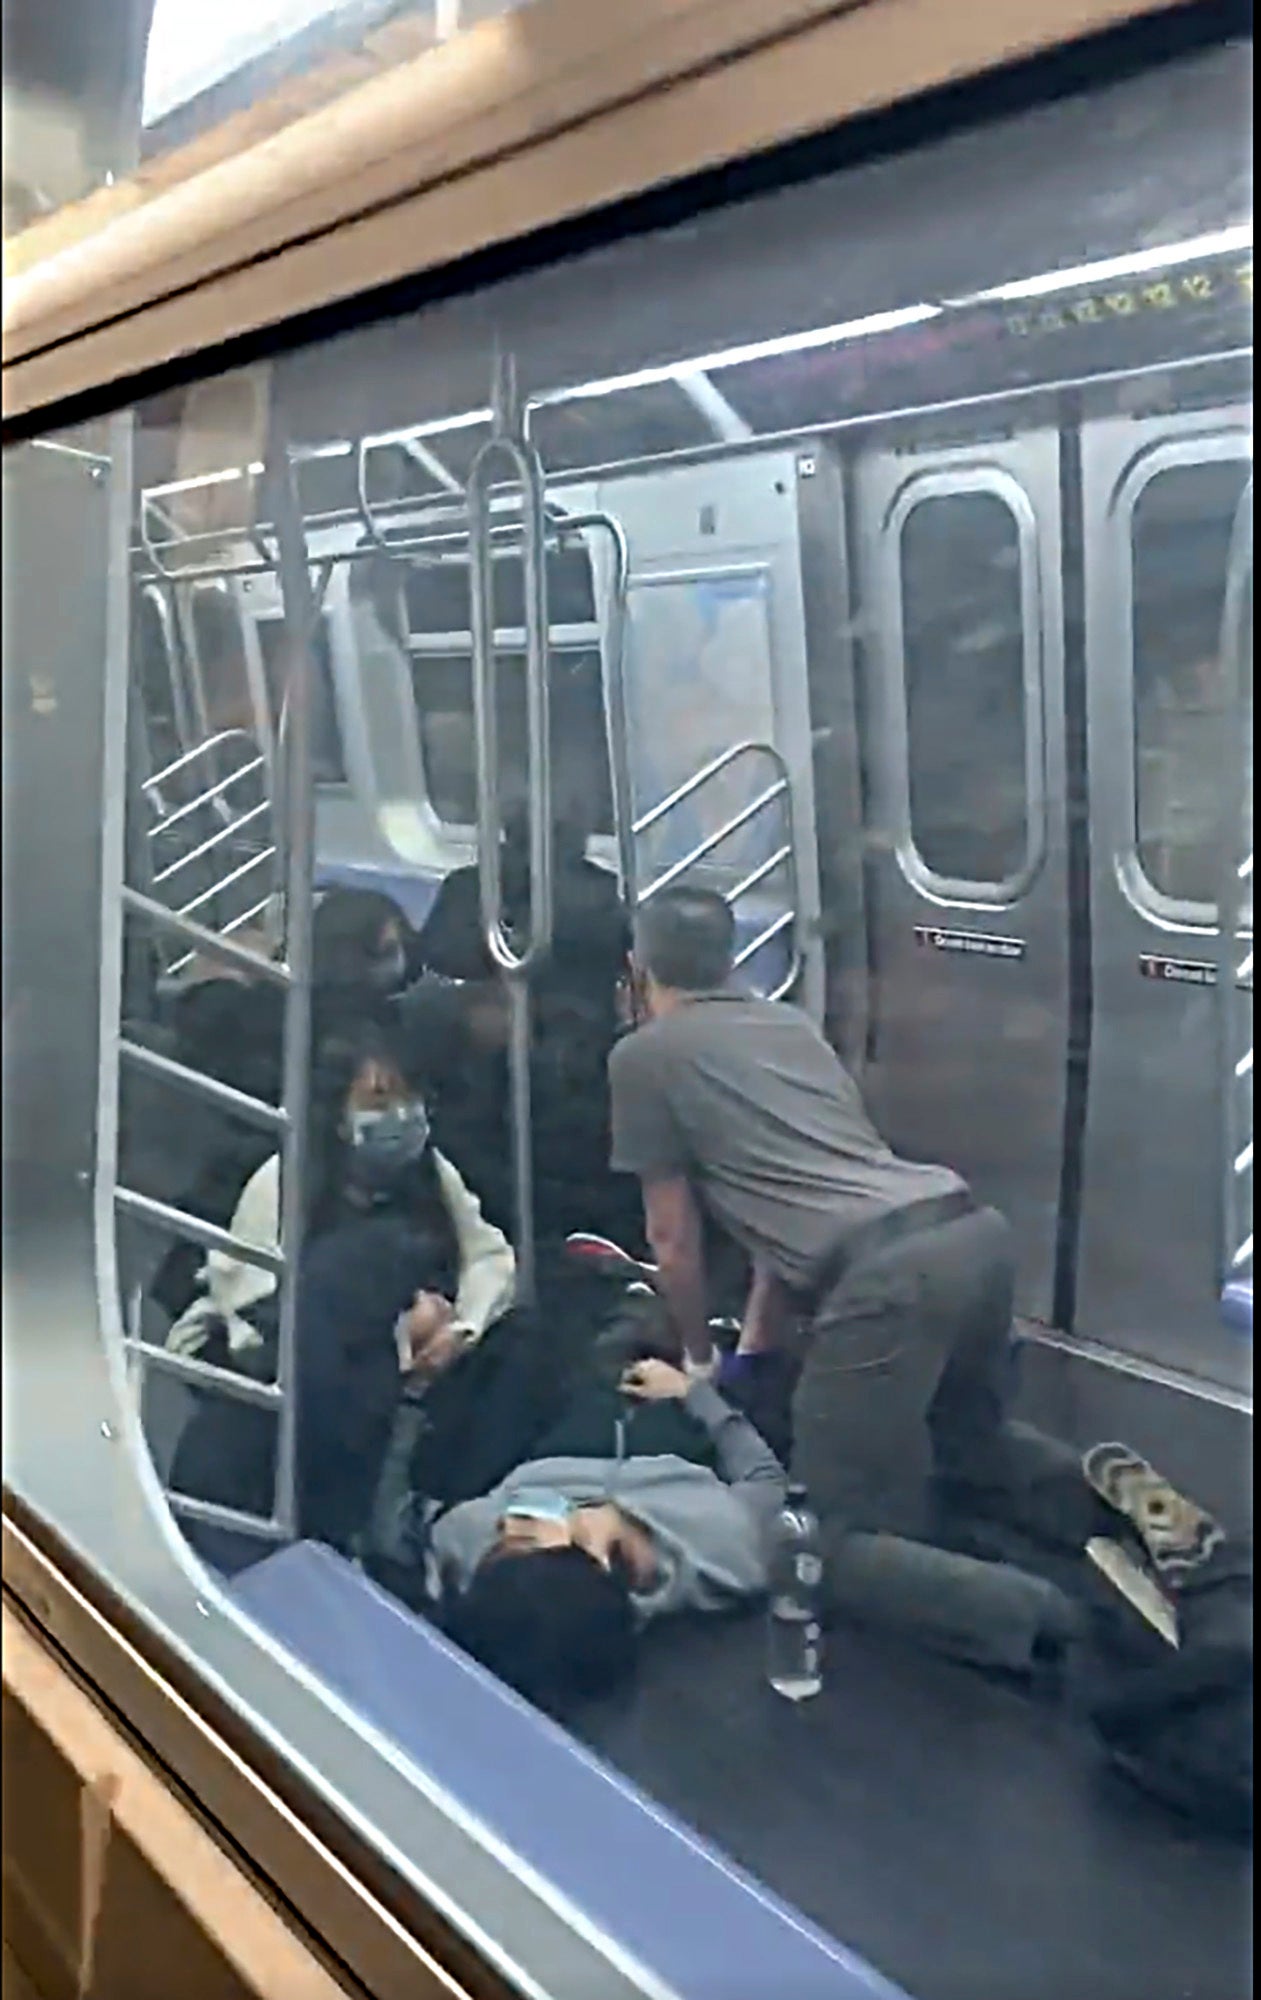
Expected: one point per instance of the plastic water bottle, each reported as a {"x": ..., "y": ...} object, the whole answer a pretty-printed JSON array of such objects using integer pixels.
[{"x": 794, "y": 1637}]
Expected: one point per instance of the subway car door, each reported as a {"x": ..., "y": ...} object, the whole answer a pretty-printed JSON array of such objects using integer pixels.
[
  {"x": 961, "y": 637},
  {"x": 715, "y": 658},
  {"x": 1161, "y": 498}
]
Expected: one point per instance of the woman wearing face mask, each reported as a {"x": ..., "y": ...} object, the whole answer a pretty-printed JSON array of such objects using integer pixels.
[{"x": 400, "y": 1275}]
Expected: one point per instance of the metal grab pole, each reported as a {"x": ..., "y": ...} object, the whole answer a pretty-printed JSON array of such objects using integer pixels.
[
  {"x": 616, "y": 706},
  {"x": 514, "y": 964},
  {"x": 299, "y": 840}
]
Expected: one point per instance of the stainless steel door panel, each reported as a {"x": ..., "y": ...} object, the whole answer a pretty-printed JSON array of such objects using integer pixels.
[
  {"x": 961, "y": 627},
  {"x": 1148, "y": 1278}
]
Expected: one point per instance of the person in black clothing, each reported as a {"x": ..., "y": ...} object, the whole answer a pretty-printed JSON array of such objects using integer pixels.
[
  {"x": 590, "y": 930},
  {"x": 574, "y": 1000}
]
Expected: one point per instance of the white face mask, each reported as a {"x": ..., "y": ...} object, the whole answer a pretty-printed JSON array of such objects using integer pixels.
[{"x": 385, "y": 1143}]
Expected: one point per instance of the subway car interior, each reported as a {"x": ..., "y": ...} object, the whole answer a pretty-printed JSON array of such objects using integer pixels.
[{"x": 873, "y": 544}]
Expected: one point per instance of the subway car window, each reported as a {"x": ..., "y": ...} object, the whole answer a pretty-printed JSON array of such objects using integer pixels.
[
  {"x": 444, "y": 709},
  {"x": 965, "y": 645},
  {"x": 664, "y": 1167},
  {"x": 1181, "y": 536}
]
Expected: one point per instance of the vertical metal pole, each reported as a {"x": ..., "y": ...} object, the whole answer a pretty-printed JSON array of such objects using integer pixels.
[
  {"x": 297, "y": 830},
  {"x": 617, "y": 709},
  {"x": 513, "y": 964}
]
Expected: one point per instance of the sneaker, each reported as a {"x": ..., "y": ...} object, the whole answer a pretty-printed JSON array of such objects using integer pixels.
[{"x": 1178, "y": 1536}]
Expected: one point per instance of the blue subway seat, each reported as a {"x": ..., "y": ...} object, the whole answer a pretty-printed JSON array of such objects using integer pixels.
[{"x": 1237, "y": 1304}]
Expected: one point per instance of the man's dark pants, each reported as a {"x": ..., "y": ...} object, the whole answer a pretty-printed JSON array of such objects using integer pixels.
[{"x": 905, "y": 1386}]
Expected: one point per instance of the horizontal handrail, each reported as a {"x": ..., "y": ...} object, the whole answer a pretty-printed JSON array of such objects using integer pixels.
[
  {"x": 167, "y": 1070},
  {"x": 760, "y": 873},
  {"x": 147, "y": 1208},
  {"x": 716, "y": 839},
  {"x": 247, "y": 867},
  {"x": 215, "y": 840},
  {"x": 205, "y": 798},
  {"x": 214, "y": 944},
  {"x": 703, "y": 776},
  {"x": 508, "y": 639},
  {"x": 202, "y": 749},
  {"x": 772, "y": 930},
  {"x": 206, "y": 1374},
  {"x": 212, "y": 1515}
]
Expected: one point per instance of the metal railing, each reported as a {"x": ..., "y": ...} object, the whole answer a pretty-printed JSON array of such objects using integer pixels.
[
  {"x": 288, "y": 1120},
  {"x": 209, "y": 823},
  {"x": 1235, "y": 914},
  {"x": 778, "y": 794}
]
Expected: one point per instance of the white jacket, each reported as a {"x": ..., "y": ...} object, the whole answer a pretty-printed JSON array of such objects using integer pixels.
[{"x": 230, "y": 1286}]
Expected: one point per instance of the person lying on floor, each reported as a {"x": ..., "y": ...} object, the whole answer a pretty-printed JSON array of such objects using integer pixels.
[
  {"x": 649, "y": 1497},
  {"x": 400, "y": 1274}
]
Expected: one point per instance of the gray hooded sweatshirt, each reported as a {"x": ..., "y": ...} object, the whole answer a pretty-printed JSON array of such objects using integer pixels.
[{"x": 712, "y": 1531}]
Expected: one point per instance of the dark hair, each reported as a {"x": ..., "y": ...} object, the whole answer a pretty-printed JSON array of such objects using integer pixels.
[
  {"x": 686, "y": 939},
  {"x": 551, "y": 1623},
  {"x": 346, "y": 934}
]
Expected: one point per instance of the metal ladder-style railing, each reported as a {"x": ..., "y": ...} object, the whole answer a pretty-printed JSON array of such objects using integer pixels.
[
  {"x": 505, "y": 514},
  {"x": 1235, "y": 916},
  {"x": 217, "y": 841},
  {"x": 777, "y": 796},
  {"x": 288, "y": 1119}
]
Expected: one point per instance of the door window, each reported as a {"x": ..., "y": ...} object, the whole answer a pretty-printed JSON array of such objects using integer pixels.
[
  {"x": 1180, "y": 533},
  {"x": 965, "y": 659}
]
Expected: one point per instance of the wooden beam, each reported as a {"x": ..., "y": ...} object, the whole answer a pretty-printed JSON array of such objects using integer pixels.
[
  {"x": 114, "y": 1889},
  {"x": 520, "y": 123}
]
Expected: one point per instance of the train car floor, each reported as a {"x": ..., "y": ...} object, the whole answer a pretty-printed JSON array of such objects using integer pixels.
[{"x": 964, "y": 1837}]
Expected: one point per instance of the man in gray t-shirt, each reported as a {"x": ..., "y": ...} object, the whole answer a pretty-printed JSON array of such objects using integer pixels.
[{"x": 736, "y": 1109}]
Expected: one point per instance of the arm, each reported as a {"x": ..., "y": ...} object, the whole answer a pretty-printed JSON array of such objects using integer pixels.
[
  {"x": 746, "y": 1464},
  {"x": 744, "y": 1458},
  {"x": 488, "y": 1269},
  {"x": 767, "y": 1313},
  {"x": 674, "y": 1231},
  {"x": 230, "y": 1285},
  {"x": 648, "y": 1143}
]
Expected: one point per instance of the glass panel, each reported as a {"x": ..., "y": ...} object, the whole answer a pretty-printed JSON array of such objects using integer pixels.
[
  {"x": 742, "y": 616},
  {"x": 1180, "y": 539},
  {"x": 443, "y": 684},
  {"x": 699, "y": 682},
  {"x": 964, "y": 659}
]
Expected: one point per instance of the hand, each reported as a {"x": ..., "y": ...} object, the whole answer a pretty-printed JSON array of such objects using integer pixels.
[
  {"x": 655, "y": 1382},
  {"x": 438, "y": 1352},
  {"x": 425, "y": 1333}
]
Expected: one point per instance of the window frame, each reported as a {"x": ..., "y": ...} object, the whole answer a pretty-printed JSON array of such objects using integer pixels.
[
  {"x": 943, "y": 482},
  {"x": 1163, "y": 455}
]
